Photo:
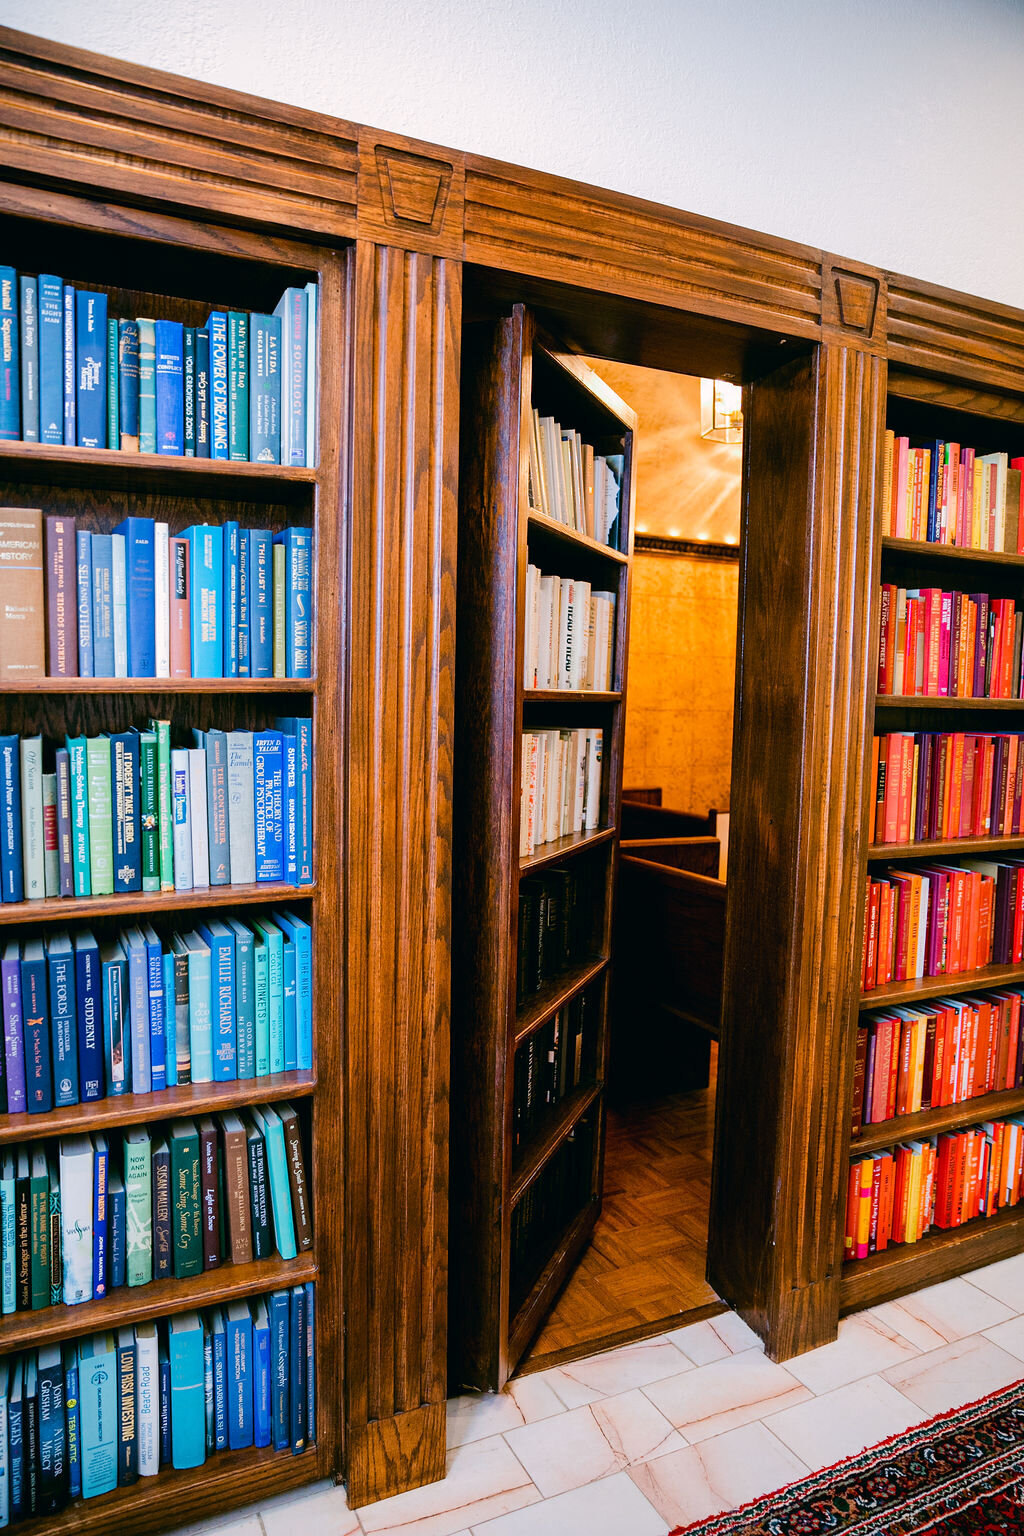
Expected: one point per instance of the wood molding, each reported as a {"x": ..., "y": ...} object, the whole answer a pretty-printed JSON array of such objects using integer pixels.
[
  {"x": 694, "y": 549},
  {"x": 397, "y": 868},
  {"x": 411, "y": 194},
  {"x": 388, "y": 1456},
  {"x": 952, "y": 334},
  {"x": 854, "y": 300}
]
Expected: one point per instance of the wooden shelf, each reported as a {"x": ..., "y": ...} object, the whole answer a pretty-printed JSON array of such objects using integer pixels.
[
  {"x": 554, "y": 995},
  {"x": 183, "y": 1102},
  {"x": 54, "y": 464},
  {"x": 938, "y": 1256},
  {"x": 24, "y": 1330},
  {"x": 536, "y": 522},
  {"x": 561, "y": 1121},
  {"x": 550, "y": 1281},
  {"x": 906, "y": 993},
  {"x": 931, "y": 1122},
  {"x": 561, "y": 847},
  {"x": 569, "y": 696},
  {"x": 149, "y": 685},
  {"x": 947, "y": 847},
  {"x": 71, "y": 909},
  {"x": 950, "y": 552},
  {"x": 927, "y": 701}
]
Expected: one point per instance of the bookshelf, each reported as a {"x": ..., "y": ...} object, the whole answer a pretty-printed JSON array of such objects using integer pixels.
[
  {"x": 524, "y": 1198},
  {"x": 176, "y": 269}
]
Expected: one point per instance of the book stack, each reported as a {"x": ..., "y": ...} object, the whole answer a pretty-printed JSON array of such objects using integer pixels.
[
  {"x": 949, "y": 644},
  {"x": 92, "y": 1214},
  {"x": 946, "y": 784},
  {"x": 548, "y": 1206},
  {"x": 549, "y": 932},
  {"x": 571, "y": 483},
  {"x": 127, "y": 811},
  {"x": 142, "y": 1012},
  {"x": 943, "y": 920},
  {"x": 941, "y": 1052},
  {"x": 569, "y": 633},
  {"x": 895, "y": 1196},
  {"x": 561, "y": 785},
  {"x": 548, "y": 1065},
  {"x": 941, "y": 493},
  {"x": 82, "y": 1420},
  {"x": 241, "y": 386},
  {"x": 216, "y": 601}
]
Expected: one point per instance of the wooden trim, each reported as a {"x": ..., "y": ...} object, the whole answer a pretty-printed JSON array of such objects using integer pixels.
[
  {"x": 693, "y": 549},
  {"x": 388, "y": 1456}
]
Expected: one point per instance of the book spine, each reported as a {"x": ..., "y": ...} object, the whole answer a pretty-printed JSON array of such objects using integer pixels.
[
  {"x": 32, "y": 830},
  {"x": 279, "y": 566},
  {"x": 259, "y": 1204},
  {"x": 74, "y": 1422},
  {"x": 170, "y": 1021},
  {"x": 51, "y": 359},
  {"x": 12, "y": 873},
  {"x": 14, "y": 1049},
  {"x": 91, "y": 368},
  {"x": 157, "y": 1006},
  {"x": 28, "y": 312},
  {"x": 165, "y": 804},
  {"x": 161, "y": 1176},
  {"x": 65, "y": 847},
  {"x": 83, "y": 585},
  {"x": 63, "y": 1027},
  {"x": 243, "y": 604},
  {"x": 10, "y": 362},
  {"x": 261, "y": 584},
  {"x": 139, "y": 1204},
  {"x": 209, "y": 1193},
  {"x": 127, "y": 1439},
  {"x": 128, "y": 389},
  {"x": 169, "y": 347},
  {"x": 117, "y": 1239},
  {"x": 180, "y": 610},
  {"x": 139, "y": 535},
  {"x": 68, "y": 375},
  {"x": 265, "y": 395},
  {"x": 147, "y": 386},
  {"x": 298, "y": 601},
  {"x": 162, "y": 599},
  {"x": 202, "y": 393},
  {"x": 36, "y": 1032},
  {"x": 189, "y": 383},
  {"x": 61, "y": 597},
  {"x": 127, "y": 832},
  {"x": 149, "y": 813},
  {"x": 297, "y": 1369},
  {"x": 119, "y": 603},
  {"x": 51, "y": 848},
  {"x": 231, "y": 598},
  {"x": 182, "y": 828},
  {"x": 292, "y": 311},
  {"x": 100, "y": 1175},
  {"x": 113, "y": 385},
  {"x": 279, "y": 1370},
  {"x": 89, "y": 1019},
  {"x": 217, "y": 326},
  {"x": 217, "y": 807},
  {"x": 238, "y": 385}
]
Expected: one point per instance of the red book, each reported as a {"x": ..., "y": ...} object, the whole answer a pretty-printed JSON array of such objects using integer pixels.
[
  {"x": 938, "y": 1082},
  {"x": 930, "y": 1032},
  {"x": 859, "y": 1068},
  {"x": 181, "y": 632},
  {"x": 910, "y": 663},
  {"x": 880, "y": 1074},
  {"x": 1019, "y": 464},
  {"x": 903, "y": 1076},
  {"x": 885, "y": 1204},
  {"x": 963, "y": 824},
  {"x": 894, "y": 1067},
  {"x": 886, "y": 605},
  {"x": 885, "y": 897},
  {"x": 871, "y": 925},
  {"x": 880, "y": 752}
]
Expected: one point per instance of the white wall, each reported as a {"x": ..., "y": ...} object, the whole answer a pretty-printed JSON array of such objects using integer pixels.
[{"x": 886, "y": 130}]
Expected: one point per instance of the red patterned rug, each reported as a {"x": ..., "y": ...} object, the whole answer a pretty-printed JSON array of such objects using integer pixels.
[{"x": 961, "y": 1474}]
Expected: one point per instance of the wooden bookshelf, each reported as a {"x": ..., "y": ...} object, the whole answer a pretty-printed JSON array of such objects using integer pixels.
[
  {"x": 932, "y": 1122},
  {"x": 916, "y": 549},
  {"x": 73, "y": 909},
  {"x": 924, "y": 702},
  {"x": 906, "y": 993},
  {"x": 938, "y": 1255},
  {"x": 508, "y": 369},
  {"x": 155, "y": 685},
  {"x": 945, "y": 847}
]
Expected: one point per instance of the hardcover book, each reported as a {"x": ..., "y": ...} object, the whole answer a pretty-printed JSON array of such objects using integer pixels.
[{"x": 22, "y": 621}]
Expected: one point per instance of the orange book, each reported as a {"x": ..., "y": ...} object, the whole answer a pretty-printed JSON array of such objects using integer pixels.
[
  {"x": 900, "y": 648},
  {"x": 970, "y": 1197},
  {"x": 885, "y": 1205},
  {"x": 972, "y": 641},
  {"x": 864, "y": 1207},
  {"x": 972, "y": 919},
  {"x": 983, "y": 819},
  {"x": 1011, "y": 781},
  {"x": 910, "y": 663},
  {"x": 895, "y": 742},
  {"x": 904, "y": 1076},
  {"x": 884, "y": 968},
  {"x": 852, "y": 1212}
]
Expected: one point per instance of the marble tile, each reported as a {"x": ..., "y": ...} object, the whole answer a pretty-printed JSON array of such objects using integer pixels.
[
  {"x": 634, "y": 1428},
  {"x": 612, "y": 1507},
  {"x": 220, "y": 1525},
  {"x": 483, "y": 1480},
  {"x": 1004, "y": 1280},
  {"x": 1009, "y": 1336},
  {"x": 480, "y": 1414},
  {"x": 713, "y": 1398},
  {"x": 959, "y": 1372},
  {"x": 941, "y": 1313},
  {"x": 619, "y": 1370},
  {"x": 566, "y": 1453},
  {"x": 715, "y": 1338},
  {"x": 843, "y": 1422},
  {"x": 535, "y": 1398},
  {"x": 721, "y": 1473},
  {"x": 324, "y": 1512},
  {"x": 865, "y": 1346}
]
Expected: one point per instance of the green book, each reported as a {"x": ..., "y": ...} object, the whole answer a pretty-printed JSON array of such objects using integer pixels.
[
  {"x": 56, "y": 1241},
  {"x": 261, "y": 1002},
  {"x": 238, "y": 385},
  {"x": 147, "y": 386},
  {"x": 149, "y": 811},
  {"x": 101, "y": 842},
  {"x": 138, "y": 1192},
  {"x": 280, "y": 663},
  {"x": 186, "y": 1200},
  {"x": 39, "y": 1229},
  {"x": 164, "y": 812},
  {"x": 113, "y": 386}
]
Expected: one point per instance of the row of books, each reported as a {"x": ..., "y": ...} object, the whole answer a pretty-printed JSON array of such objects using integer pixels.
[
  {"x": 561, "y": 785},
  {"x": 946, "y": 784},
  {"x": 571, "y": 483},
  {"x": 81, "y": 1420},
  {"x": 93, "y": 1214},
  {"x": 942, "y": 493},
  {"x": 216, "y": 601},
  {"x": 943, "y": 920},
  {"x": 945, "y": 1051},
  {"x": 949, "y": 644},
  {"x": 896, "y": 1195},
  {"x": 550, "y": 933},
  {"x": 569, "y": 635},
  {"x": 548, "y": 1065},
  {"x": 551, "y": 1201},
  {"x": 127, "y": 811},
  {"x": 241, "y": 386},
  {"x": 139, "y": 1013}
]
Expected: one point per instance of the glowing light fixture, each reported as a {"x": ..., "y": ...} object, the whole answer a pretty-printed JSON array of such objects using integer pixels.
[{"x": 721, "y": 411}]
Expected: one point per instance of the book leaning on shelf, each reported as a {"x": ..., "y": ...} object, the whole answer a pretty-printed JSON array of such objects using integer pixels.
[
  {"x": 561, "y": 785},
  {"x": 570, "y": 483},
  {"x": 942, "y": 493},
  {"x": 548, "y": 1066},
  {"x": 97, "y": 1414},
  {"x": 241, "y": 386},
  {"x": 569, "y": 633},
  {"x": 947, "y": 785},
  {"x": 550, "y": 929}
]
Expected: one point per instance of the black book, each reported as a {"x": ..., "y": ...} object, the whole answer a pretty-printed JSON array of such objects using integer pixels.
[
  {"x": 163, "y": 1258},
  {"x": 259, "y": 1191},
  {"x": 23, "y": 1235},
  {"x": 54, "y": 1471},
  {"x": 30, "y": 1433},
  {"x": 127, "y": 1442}
]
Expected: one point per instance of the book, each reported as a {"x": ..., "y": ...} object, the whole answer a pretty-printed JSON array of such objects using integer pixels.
[
  {"x": 164, "y": 1360},
  {"x": 231, "y": 597},
  {"x": 22, "y": 1231},
  {"x": 14, "y": 1047},
  {"x": 128, "y": 377},
  {"x": 61, "y": 986},
  {"x": 188, "y": 1416},
  {"x": 244, "y": 999},
  {"x": 206, "y": 576},
  {"x": 126, "y": 822},
  {"x": 312, "y": 370},
  {"x": 91, "y": 368},
  {"x": 16, "y": 1440},
  {"x": 269, "y": 1123},
  {"x": 217, "y": 330},
  {"x": 65, "y": 842},
  {"x": 261, "y": 1397},
  {"x": 22, "y": 618},
  {"x": 117, "y": 1229},
  {"x": 140, "y": 574},
  {"x": 10, "y": 362},
  {"x": 32, "y": 823},
  {"x": 300, "y": 934},
  {"x": 189, "y": 391},
  {"x": 149, "y": 810},
  {"x": 310, "y": 1290},
  {"x": 76, "y": 1180},
  {"x": 100, "y": 1186},
  {"x": 28, "y": 320},
  {"x": 236, "y": 1187},
  {"x": 8, "y": 1234},
  {"x": 267, "y": 777},
  {"x": 280, "y": 1360},
  {"x": 116, "y": 1020},
  {"x": 119, "y": 603},
  {"x": 187, "y": 1199},
  {"x": 260, "y": 579},
  {"x": 35, "y": 1025},
  {"x": 51, "y": 852},
  {"x": 202, "y": 393},
  {"x": 100, "y": 812},
  {"x": 259, "y": 1188},
  {"x": 98, "y": 1397},
  {"x": 56, "y": 1239},
  {"x": 240, "y": 1374},
  {"x": 39, "y": 1217},
  {"x": 69, "y": 378},
  {"x": 180, "y": 619},
  {"x": 169, "y": 346},
  {"x": 113, "y": 384},
  {"x": 157, "y": 1007},
  {"x": 265, "y": 390},
  {"x": 221, "y": 942},
  {"x": 54, "y": 1475},
  {"x": 300, "y": 1202},
  {"x": 215, "y": 745},
  {"x": 134, "y": 944},
  {"x": 127, "y": 1439},
  {"x": 292, "y": 310},
  {"x": 280, "y": 608},
  {"x": 12, "y": 878},
  {"x": 238, "y": 384},
  {"x": 61, "y": 597},
  {"x": 274, "y": 940},
  {"x": 89, "y": 1016},
  {"x": 147, "y": 386},
  {"x": 241, "y": 807},
  {"x": 147, "y": 1389},
  {"x": 102, "y": 588},
  {"x": 297, "y": 1365},
  {"x": 139, "y": 1198},
  {"x": 211, "y": 1222},
  {"x": 51, "y": 358},
  {"x": 181, "y": 790},
  {"x": 81, "y": 857},
  {"x": 298, "y": 578},
  {"x": 218, "y": 1339},
  {"x": 160, "y": 1175},
  {"x": 200, "y": 996},
  {"x": 73, "y": 1405}
]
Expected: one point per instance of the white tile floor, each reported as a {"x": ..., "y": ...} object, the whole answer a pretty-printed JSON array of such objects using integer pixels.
[{"x": 661, "y": 1433}]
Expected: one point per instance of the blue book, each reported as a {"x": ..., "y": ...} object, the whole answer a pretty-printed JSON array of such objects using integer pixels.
[
  {"x": 302, "y": 729},
  {"x": 238, "y": 384},
  {"x": 189, "y": 391},
  {"x": 217, "y": 329},
  {"x": 188, "y": 1392},
  {"x": 260, "y": 583},
  {"x": 202, "y": 394},
  {"x": 297, "y": 1368},
  {"x": 221, "y": 941},
  {"x": 269, "y": 1122},
  {"x": 12, "y": 876},
  {"x": 51, "y": 359},
  {"x": 169, "y": 341},
  {"x": 116, "y": 1022},
  {"x": 147, "y": 385},
  {"x": 310, "y": 1363},
  {"x": 200, "y": 1012},
  {"x": 140, "y": 578},
  {"x": 170, "y": 1021},
  {"x": 301, "y": 936},
  {"x": 243, "y": 603},
  {"x": 63, "y": 1022},
  {"x": 69, "y": 376},
  {"x": 261, "y": 1417},
  {"x": 218, "y": 1338},
  {"x": 16, "y": 1439},
  {"x": 117, "y": 1231},
  {"x": 97, "y": 1388},
  {"x": 267, "y": 778},
  {"x": 265, "y": 390},
  {"x": 231, "y": 598},
  {"x": 290, "y": 1025},
  {"x": 208, "y": 1391},
  {"x": 81, "y": 868},
  {"x": 292, "y": 311},
  {"x": 113, "y": 384},
  {"x": 126, "y": 818},
  {"x": 238, "y": 1328},
  {"x": 35, "y": 1024},
  {"x": 89, "y": 1016},
  {"x": 245, "y": 999},
  {"x": 53, "y": 1479},
  {"x": 298, "y": 567},
  {"x": 279, "y": 1364},
  {"x": 74, "y": 1418},
  {"x": 14, "y": 1040},
  {"x": 127, "y": 1440},
  {"x": 83, "y": 573},
  {"x": 91, "y": 368},
  {"x": 164, "y": 1372},
  {"x": 10, "y": 361},
  {"x": 5, "y": 1463},
  {"x": 289, "y": 807},
  {"x": 157, "y": 1009},
  {"x": 100, "y": 1212},
  {"x": 128, "y": 381},
  {"x": 28, "y": 314},
  {"x": 102, "y": 605},
  {"x": 206, "y": 576},
  {"x": 138, "y": 994}
]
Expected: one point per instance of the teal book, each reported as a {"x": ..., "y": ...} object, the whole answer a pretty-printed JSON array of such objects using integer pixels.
[
  {"x": 245, "y": 999},
  {"x": 39, "y": 1205},
  {"x": 217, "y": 329},
  {"x": 186, "y": 1200},
  {"x": 139, "y": 1197},
  {"x": 80, "y": 852},
  {"x": 288, "y": 954},
  {"x": 188, "y": 1405},
  {"x": 221, "y": 941},
  {"x": 206, "y": 582},
  {"x": 275, "y": 992},
  {"x": 238, "y": 384},
  {"x": 147, "y": 386},
  {"x": 265, "y": 390},
  {"x": 113, "y": 385},
  {"x": 200, "y": 1008},
  {"x": 101, "y": 844},
  {"x": 261, "y": 1008},
  {"x": 301, "y": 936},
  {"x": 98, "y": 1417},
  {"x": 8, "y": 1232},
  {"x": 269, "y": 1122},
  {"x": 149, "y": 818},
  {"x": 164, "y": 811}
]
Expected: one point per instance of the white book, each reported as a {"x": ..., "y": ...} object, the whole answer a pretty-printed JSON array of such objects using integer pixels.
[
  {"x": 181, "y": 801},
  {"x": 312, "y": 394},
  {"x": 581, "y": 634},
  {"x": 554, "y": 807},
  {"x": 33, "y": 835},
  {"x": 51, "y": 854},
  {"x": 579, "y": 782},
  {"x": 119, "y": 604},
  {"x": 592, "y": 808},
  {"x": 76, "y": 1208},
  {"x": 529, "y": 793},
  {"x": 241, "y": 832},
  {"x": 8, "y": 1232},
  {"x": 524, "y": 777},
  {"x": 162, "y": 598},
  {"x": 147, "y": 1398},
  {"x": 545, "y": 596},
  {"x": 542, "y": 769},
  {"x": 530, "y": 628},
  {"x": 565, "y": 632},
  {"x": 198, "y": 823}
]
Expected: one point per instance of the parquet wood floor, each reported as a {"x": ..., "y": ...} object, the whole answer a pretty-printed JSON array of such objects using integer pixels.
[{"x": 644, "y": 1267}]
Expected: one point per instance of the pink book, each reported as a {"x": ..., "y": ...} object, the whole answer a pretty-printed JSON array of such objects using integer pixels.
[{"x": 945, "y": 627}]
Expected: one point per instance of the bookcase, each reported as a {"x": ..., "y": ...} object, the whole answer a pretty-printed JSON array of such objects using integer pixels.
[
  {"x": 155, "y": 264},
  {"x": 926, "y": 409},
  {"x": 526, "y": 1158}
]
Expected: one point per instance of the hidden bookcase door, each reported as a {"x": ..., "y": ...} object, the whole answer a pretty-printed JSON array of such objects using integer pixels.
[
  {"x": 545, "y": 540},
  {"x": 176, "y": 270}
]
